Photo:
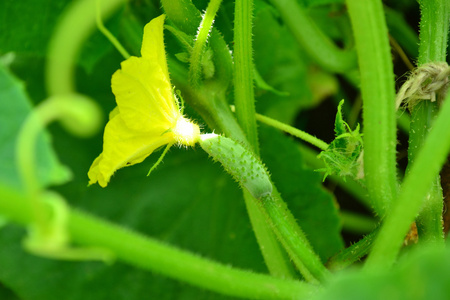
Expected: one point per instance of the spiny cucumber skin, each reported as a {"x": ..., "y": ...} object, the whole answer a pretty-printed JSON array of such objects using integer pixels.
[{"x": 239, "y": 163}]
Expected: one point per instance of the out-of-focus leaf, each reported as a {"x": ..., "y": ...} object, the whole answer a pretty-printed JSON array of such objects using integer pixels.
[
  {"x": 322, "y": 2},
  {"x": 424, "y": 274},
  {"x": 14, "y": 108},
  {"x": 7, "y": 294},
  {"x": 27, "y": 25},
  {"x": 301, "y": 188}
]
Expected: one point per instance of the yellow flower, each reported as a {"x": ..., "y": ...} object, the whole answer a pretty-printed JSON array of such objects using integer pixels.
[{"x": 147, "y": 115}]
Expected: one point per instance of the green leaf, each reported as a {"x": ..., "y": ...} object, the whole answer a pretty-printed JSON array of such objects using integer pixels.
[
  {"x": 14, "y": 108},
  {"x": 303, "y": 192}
]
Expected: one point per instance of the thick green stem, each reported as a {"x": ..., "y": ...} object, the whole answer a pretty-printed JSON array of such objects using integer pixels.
[
  {"x": 417, "y": 183},
  {"x": 378, "y": 93},
  {"x": 274, "y": 256},
  {"x": 244, "y": 99},
  {"x": 313, "y": 40},
  {"x": 434, "y": 25},
  {"x": 150, "y": 254}
]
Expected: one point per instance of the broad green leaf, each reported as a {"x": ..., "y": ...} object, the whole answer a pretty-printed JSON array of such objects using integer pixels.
[
  {"x": 14, "y": 108},
  {"x": 301, "y": 188}
]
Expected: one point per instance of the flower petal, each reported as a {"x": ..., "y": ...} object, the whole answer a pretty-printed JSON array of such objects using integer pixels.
[
  {"x": 153, "y": 43},
  {"x": 144, "y": 95},
  {"x": 124, "y": 147}
]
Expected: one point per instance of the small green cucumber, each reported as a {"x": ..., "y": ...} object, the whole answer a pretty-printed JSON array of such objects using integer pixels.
[{"x": 240, "y": 163}]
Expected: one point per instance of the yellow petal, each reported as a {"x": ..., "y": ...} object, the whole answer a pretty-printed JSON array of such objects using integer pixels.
[
  {"x": 124, "y": 147},
  {"x": 114, "y": 112},
  {"x": 144, "y": 95},
  {"x": 153, "y": 43}
]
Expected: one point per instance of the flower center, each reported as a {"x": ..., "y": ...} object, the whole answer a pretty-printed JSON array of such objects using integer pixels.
[{"x": 186, "y": 132}]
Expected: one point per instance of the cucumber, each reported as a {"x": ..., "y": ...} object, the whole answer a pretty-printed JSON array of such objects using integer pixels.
[{"x": 240, "y": 163}]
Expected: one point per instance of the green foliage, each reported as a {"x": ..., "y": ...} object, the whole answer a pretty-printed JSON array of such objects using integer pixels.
[
  {"x": 343, "y": 155},
  {"x": 191, "y": 205}
]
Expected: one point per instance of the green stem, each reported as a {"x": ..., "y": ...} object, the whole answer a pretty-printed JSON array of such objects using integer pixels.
[
  {"x": 434, "y": 26},
  {"x": 243, "y": 71},
  {"x": 313, "y": 40},
  {"x": 150, "y": 254},
  {"x": 244, "y": 100},
  {"x": 274, "y": 256},
  {"x": 107, "y": 33},
  {"x": 378, "y": 93},
  {"x": 293, "y": 131},
  {"x": 293, "y": 239},
  {"x": 203, "y": 33},
  {"x": 417, "y": 183},
  {"x": 353, "y": 253},
  {"x": 74, "y": 27}
]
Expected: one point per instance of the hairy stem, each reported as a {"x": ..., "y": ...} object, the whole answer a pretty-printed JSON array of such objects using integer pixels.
[
  {"x": 243, "y": 71},
  {"x": 293, "y": 131},
  {"x": 434, "y": 25},
  {"x": 417, "y": 183},
  {"x": 274, "y": 256},
  {"x": 378, "y": 93},
  {"x": 202, "y": 35}
]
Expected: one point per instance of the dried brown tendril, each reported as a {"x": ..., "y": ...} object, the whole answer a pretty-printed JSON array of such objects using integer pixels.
[{"x": 427, "y": 82}]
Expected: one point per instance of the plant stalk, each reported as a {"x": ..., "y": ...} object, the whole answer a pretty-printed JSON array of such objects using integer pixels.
[
  {"x": 433, "y": 36},
  {"x": 417, "y": 183},
  {"x": 378, "y": 94}
]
